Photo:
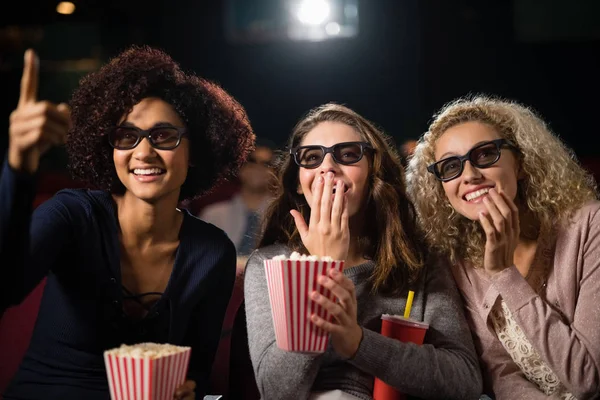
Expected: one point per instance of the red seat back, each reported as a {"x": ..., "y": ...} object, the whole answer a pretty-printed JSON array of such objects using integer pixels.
[
  {"x": 232, "y": 374},
  {"x": 16, "y": 328}
]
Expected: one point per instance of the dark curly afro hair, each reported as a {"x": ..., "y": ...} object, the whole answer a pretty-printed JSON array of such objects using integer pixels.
[{"x": 218, "y": 128}]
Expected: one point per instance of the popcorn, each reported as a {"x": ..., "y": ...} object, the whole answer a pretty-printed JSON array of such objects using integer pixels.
[
  {"x": 146, "y": 371},
  {"x": 302, "y": 257},
  {"x": 290, "y": 282},
  {"x": 147, "y": 350}
]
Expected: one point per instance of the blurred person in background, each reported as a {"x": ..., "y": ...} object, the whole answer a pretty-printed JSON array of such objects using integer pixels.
[
  {"x": 241, "y": 216},
  {"x": 407, "y": 149}
]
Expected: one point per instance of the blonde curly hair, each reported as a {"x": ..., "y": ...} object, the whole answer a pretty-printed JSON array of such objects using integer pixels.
[{"x": 554, "y": 185}]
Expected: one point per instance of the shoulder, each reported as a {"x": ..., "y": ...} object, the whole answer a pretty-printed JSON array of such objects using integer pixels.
[
  {"x": 265, "y": 253},
  {"x": 436, "y": 266},
  {"x": 77, "y": 204},
  {"x": 206, "y": 234},
  {"x": 438, "y": 276},
  {"x": 255, "y": 281},
  {"x": 584, "y": 220},
  {"x": 221, "y": 209},
  {"x": 588, "y": 212},
  {"x": 271, "y": 251},
  {"x": 207, "y": 250}
]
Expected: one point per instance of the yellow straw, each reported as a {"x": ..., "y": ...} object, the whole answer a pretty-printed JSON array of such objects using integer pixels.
[{"x": 409, "y": 300}]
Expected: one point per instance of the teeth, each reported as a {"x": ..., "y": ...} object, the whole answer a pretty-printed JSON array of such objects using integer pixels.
[
  {"x": 343, "y": 187},
  {"x": 149, "y": 171},
  {"x": 476, "y": 194}
]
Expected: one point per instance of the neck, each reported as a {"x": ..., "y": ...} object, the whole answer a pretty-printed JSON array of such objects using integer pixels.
[
  {"x": 529, "y": 224},
  {"x": 143, "y": 224},
  {"x": 525, "y": 254},
  {"x": 253, "y": 198},
  {"x": 527, "y": 245},
  {"x": 356, "y": 253}
]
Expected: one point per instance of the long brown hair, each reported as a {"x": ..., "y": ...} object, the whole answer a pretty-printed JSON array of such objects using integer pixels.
[{"x": 390, "y": 236}]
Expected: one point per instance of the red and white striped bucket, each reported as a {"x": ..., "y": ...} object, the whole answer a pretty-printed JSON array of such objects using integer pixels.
[
  {"x": 290, "y": 284},
  {"x": 156, "y": 378}
]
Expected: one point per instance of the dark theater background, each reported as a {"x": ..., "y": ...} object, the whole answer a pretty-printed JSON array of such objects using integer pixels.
[
  {"x": 399, "y": 61},
  {"x": 394, "y": 61}
]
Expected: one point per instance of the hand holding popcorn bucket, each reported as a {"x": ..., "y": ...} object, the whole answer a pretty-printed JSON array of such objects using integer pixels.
[
  {"x": 146, "y": 371},
  {"x": 290, "y": 282}
]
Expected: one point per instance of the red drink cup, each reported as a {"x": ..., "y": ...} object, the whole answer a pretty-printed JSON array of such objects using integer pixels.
[
  {"x": 404, "y": 330},
  {"x": 290, "y": 284},
  {"x": 138, "y": 376}
]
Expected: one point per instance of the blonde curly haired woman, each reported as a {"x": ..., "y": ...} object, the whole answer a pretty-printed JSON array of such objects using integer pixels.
[{"x": 518, "y": 218}]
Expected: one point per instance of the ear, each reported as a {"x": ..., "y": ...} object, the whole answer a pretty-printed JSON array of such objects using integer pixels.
[{"x": 299, "y": 189}]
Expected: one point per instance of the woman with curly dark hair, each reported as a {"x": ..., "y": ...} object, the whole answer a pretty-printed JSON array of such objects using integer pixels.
[
  {"x": 341, "y": 193},
  {"x": 124, "y": 264}
]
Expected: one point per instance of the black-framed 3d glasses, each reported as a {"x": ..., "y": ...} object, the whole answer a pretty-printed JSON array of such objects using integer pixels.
[
  {"x": 346, "y": 153},
  {"x": 159, "y": 137},
  {"x": 483, "y": 155}
]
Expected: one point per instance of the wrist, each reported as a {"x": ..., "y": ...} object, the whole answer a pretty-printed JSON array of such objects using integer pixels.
[
  {"x": 358, "y": 340},
  {"x": 493, "y": 273},
  {"x": 18, "y": 162}
]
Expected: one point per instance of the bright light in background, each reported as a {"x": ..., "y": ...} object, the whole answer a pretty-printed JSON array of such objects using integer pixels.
[
  {"x": 333, "y": 28},
  {"x": 351, "y": 11},
  {"x": 313, "y": 12},
  {"x": 318, "y": 20},
  {"x": 65, "y": 7}
]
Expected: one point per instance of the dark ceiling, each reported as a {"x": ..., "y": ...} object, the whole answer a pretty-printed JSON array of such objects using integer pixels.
[{"x": 410, "y": 57}]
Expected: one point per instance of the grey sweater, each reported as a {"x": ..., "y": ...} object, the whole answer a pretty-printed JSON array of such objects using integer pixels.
[{"x": 445, "y": 366}]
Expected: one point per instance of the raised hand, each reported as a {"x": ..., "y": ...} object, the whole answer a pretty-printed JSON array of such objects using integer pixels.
[
  {"x": 35, "y": 125},
  {"x": 345, "y": 332},
  {"x": 501, "y": 226},
  {"x": 327, "y": 233}
]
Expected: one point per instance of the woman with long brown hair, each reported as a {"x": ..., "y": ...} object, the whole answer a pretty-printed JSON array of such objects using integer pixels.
[{"x": 341, "y": 193}]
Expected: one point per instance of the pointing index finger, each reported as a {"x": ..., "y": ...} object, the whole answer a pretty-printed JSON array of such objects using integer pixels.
[{"x": 29, "y": 80}]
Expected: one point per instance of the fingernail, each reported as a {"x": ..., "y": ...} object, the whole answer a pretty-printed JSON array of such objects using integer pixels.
[
  {"x": 321, "y": 279},
  {"x": 315, "y": 296},
  {"x": 320, "y": 179},
  {"x": 330, "y": 175}
]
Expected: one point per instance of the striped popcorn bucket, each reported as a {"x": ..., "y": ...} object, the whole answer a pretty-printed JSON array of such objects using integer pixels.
[
  {"x": 146, "y": 378},
  {"x": 290, "y": 283}
]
